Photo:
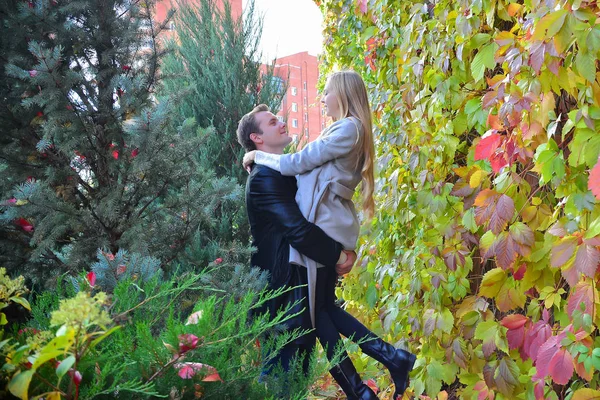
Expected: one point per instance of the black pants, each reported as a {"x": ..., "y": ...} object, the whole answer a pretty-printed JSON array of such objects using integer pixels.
[
  {"x": 330, "y": 319},
  {"x": 304, "y": 345}
]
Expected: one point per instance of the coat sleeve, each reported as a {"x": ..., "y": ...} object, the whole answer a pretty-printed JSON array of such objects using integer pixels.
[
  {"x": 339, "y": 141},
  {"x": 272, "y": 198}
]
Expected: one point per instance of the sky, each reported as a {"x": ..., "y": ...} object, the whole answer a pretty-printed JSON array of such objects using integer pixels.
[{"x": 278, "y": 39}]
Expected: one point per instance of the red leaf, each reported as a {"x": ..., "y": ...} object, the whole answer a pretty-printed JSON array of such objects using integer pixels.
[
  {"x": 583, "y": 292},
  {"x": 561, "y": 367},
  {"x": 505, "y": 251},
  {"x": 520, "y": 273},
  {"x": 188, "y": 370},
  {"x": 498, "y": 161},
  {"x": 362, "y": 5},
  {"x": 545, "y": 354},
  {"x": 587, "y": 259},
  {"x": 187, "y": 342},
  {"x": 373, "y": 385},
  {"x": 516, "y": 330},
  {"x": 24, "y": 224},
  {"x": 514, "y": 321},
  {"x": 594, "y": 181},
  {"x": 134, "y": 153},
  {"x": 494, "y": 122},
  {"x": 91, "y": 278},
  {"x": 487, "y": 146},
  {"x": 505, "y": 209},
  {"x": 535, "y": 337}
]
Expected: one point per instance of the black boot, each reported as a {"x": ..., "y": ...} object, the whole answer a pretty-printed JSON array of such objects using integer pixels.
[
  {"x": 346, "y": 376},
  {"x": 399, "y": 362}
]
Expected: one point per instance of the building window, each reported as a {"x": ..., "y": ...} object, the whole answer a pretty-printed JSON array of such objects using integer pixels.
[
  {"x": 280, "y": 118},
  {"x": 294, "y": 123},
  {"x": 171, "y": 26},
  {"x": 294, "y": 107},
  {"x": 305, "y": 101},
  {"x": 305, "y": 131},
  {"x": 295, "y": 138},
  {"x": 294, "y": 91},
  {"x": 277, "y": 83},
  {"x": 305, "y": 85},
  {"x": 322, "y": 125},
  {"x": 305, "y": 117},
  {"x": 322, "y": 111}
]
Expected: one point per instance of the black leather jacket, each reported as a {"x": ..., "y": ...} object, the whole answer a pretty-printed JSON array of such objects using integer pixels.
[{"x": 276, "y": 223}]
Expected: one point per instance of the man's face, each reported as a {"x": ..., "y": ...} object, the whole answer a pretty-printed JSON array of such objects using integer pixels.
[{"x": 274, "y": 137}]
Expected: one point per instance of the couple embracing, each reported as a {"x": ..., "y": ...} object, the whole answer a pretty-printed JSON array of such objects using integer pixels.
[{"x": 305, "y": 227}]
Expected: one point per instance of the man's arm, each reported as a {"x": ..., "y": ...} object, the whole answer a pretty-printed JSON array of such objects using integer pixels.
[{"x": 270, "y": 196}]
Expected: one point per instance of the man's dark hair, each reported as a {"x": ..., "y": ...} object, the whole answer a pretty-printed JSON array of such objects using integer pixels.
[{"x": 249, "y": 125}]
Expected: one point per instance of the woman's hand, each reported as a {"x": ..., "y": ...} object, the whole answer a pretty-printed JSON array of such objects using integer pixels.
[{"x": 248, "y": 159}]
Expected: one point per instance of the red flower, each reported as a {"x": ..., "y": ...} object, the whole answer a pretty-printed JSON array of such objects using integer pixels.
[
  {"x": 91, "y": 278},
  {"x": 70, "y": 107},
  {"x": 134, "y": 153},
  {"x": 126, "y": 68},
  {"x": 121, "y": 269},
  {"x": 115, "y": 154},
  {"x": 11, "y": 201},
  {"x": 218, "y": 260},
  {"x": 39, "y": 114},
  {"x": 33, "y": 73},
  {"x": 187, "y": 342},
  {"x": 24, "y": 224}
]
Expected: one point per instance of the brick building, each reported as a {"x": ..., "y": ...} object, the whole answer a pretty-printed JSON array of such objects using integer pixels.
[{"x": 301, "y": 106}]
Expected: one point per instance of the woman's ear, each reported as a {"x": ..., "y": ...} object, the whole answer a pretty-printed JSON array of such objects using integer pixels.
[{"x": 256, "y": 138}]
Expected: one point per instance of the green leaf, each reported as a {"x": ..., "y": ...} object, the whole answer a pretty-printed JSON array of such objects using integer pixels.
[
  {"x": 19, "y": 384},
  {"x": 586, "y": 66},
  {"x": 369, "y": 32},
  {"x": 104, "y": 336},
  {"x": 21, "y": 301},
  {"x": 64, "y": 366},
  {"x": 484, "y": 59},
  {"x": 371, "y": 295}
]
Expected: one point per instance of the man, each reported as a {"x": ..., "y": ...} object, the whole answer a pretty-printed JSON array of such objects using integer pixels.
[{"x": 276, "y": 223}]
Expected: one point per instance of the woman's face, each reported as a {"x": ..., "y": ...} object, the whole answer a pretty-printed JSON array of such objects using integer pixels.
[{"x": 330, "y": 101}]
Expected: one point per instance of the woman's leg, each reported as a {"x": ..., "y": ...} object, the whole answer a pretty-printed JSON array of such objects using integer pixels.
[
  {"x": 399, "y": 362},
  {"x": 344, "y": 372}
]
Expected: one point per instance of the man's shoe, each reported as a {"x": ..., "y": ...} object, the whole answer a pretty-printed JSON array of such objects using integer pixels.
[{"x": 399, "y": 362}]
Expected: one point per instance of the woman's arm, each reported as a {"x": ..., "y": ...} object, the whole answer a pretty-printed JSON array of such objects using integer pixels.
[{"x": 339, "y": 141}]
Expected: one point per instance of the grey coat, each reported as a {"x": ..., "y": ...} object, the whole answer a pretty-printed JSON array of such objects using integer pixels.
[{"x": 328, "y": 171}]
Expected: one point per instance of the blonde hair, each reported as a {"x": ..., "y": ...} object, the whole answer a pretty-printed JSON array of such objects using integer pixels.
[{"x": 353, "y": 101}]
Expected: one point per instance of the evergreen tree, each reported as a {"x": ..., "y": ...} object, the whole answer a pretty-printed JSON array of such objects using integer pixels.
[
  {"x": 216, "y": 63},
  {"x": 90, "y": 157}
]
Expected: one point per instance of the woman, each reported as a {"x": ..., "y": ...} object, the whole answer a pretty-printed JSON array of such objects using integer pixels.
[{"x": 328, "y": 171}]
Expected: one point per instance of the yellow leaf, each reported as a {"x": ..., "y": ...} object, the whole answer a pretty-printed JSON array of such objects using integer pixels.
[
  {"x": 586, "y": 394},
  {"x": 513, "y": 9},
  {"x": 492, "y": 282},
  {"x": 476, "y": 178},
  {"x": 53, "y": 396},
  {"x": 19, "y": 384}
]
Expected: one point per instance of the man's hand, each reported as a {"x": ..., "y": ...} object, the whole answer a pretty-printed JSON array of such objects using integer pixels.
[
  {"x": 344, "y": 268},
  {"x": 248, "y": 159}
]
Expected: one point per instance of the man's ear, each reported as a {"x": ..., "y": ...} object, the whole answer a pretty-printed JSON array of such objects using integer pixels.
[{"x": 256, "y": 138}]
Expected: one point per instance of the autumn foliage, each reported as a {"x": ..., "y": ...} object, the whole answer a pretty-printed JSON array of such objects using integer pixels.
[{"x": 483, "y": 257}]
